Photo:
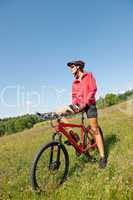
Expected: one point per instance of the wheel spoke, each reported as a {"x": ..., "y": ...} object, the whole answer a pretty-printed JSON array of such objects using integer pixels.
[{"x": 50, "y": 166}]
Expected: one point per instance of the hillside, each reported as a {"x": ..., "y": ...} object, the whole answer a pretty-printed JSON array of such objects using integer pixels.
[{"x": 85, "y": 181}]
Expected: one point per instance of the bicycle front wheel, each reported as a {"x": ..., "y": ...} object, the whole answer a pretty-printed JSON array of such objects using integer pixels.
[{"x": 50, "y": 166}]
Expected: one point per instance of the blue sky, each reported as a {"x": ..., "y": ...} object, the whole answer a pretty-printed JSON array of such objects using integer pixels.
[{"x": 37, "y": 38}]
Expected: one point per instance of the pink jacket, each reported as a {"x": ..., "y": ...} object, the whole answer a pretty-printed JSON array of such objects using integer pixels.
[{"x": 83, "y": 92}]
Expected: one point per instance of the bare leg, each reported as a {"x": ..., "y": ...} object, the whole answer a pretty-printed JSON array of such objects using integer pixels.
[{"x": 94, "y": 126}]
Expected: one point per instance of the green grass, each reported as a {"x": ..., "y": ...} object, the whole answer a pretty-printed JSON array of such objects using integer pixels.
[{"x": 85, "y": 181}]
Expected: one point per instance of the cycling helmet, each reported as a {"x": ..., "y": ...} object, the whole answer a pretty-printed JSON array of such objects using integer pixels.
[{"x": 76, "y": 63}]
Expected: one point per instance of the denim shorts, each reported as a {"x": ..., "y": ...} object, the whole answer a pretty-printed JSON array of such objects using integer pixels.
[{"x": 91, "y": 111}]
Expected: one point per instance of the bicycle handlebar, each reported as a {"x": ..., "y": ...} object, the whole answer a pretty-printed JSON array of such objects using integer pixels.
[
  {"x": 51, "y": 115},
  {"x": 48, "y": 116}
]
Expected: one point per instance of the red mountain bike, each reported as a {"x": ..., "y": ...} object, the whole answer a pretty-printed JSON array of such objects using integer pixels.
[{"x": 51, "y": 163}]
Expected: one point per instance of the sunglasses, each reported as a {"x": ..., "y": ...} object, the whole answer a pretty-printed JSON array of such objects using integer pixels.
[{"x": 72, "y": 66}]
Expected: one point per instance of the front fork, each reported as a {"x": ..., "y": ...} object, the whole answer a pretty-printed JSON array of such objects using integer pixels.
[{"x": 54, "y": 163}]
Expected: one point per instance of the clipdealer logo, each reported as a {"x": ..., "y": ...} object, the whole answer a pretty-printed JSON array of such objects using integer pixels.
[{"x": 17, "y": 96}]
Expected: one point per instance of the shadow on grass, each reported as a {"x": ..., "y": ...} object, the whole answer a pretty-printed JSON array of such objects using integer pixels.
[
  {"x": 110, "y": 141},
  {"x": 76, "y": 169},
  {"x": 80, "y": 164}
]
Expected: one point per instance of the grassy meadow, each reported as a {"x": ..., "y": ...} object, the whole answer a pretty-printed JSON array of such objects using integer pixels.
[{"x": 85, "y": 180}]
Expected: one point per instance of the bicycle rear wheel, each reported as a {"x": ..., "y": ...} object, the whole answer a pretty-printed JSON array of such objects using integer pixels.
[{"x": 50, "y": 166}]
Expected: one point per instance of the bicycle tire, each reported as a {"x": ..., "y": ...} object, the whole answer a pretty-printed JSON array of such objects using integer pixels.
[{"x": 33, "y": 172}]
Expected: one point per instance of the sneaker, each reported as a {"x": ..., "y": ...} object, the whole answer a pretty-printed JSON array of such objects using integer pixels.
[{"x": 102, "y": 162}]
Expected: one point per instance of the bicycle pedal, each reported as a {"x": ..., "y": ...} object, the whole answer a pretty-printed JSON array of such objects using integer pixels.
[{"x": 92, "y": 141}]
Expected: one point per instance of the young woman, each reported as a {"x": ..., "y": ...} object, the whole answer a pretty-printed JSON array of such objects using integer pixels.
[{"x": 83, "y": 98}]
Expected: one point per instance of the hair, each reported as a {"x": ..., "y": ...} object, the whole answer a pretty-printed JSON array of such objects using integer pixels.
[{"x": 81, "y": 68}]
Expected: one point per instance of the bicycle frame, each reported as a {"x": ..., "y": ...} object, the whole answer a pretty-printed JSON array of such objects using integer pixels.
[
  {"x": 81, "y": 147},
  {"x": 57, "y": 148}
]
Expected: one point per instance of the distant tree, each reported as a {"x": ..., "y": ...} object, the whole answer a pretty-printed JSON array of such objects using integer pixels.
[
  {"x": 9, "y": 127},
  {"x": 100, "y": 102},
  {"x": 122, "y": 97},
  {"x": 129, "y": 93},
  {"x": 2, "y": 129},
  {"x": 111, "y": 99},
  {"x": 16, "y": 124},
  {"x": 29, "y": 125},
  {"x": 20, "y": 124}
]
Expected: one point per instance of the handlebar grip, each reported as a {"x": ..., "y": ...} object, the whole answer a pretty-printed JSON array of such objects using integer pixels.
[{"x": 47, "y": 116}]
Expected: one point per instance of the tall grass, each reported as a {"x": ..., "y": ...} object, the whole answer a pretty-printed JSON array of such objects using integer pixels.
[{"x": 85, "y": 181}]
